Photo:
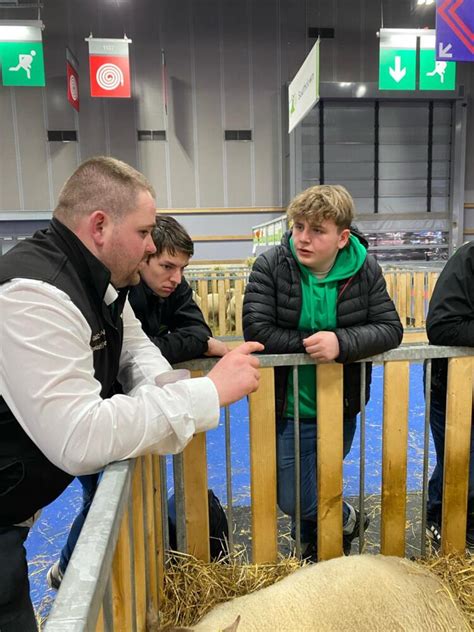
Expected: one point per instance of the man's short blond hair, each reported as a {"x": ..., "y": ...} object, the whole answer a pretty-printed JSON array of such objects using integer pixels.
[
  {"x": 322, "y": 202},
  {"x": 100, "y": 183}
]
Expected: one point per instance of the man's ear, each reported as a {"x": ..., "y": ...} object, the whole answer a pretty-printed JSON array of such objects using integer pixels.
[
  {"x": 344, "y": 238},
  {"x": 98, "y": 224}
]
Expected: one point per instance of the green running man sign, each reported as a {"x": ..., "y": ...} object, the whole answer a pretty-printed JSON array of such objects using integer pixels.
[{"x": 21, "y": 55}]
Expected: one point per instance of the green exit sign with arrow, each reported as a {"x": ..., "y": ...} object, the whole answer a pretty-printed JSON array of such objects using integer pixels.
[{"x": 398, "y": 68}]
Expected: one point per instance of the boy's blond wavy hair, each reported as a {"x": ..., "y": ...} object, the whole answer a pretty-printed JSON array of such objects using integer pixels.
[{"x": 322, "y": 202}]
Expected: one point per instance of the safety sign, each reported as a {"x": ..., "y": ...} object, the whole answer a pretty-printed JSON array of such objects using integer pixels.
[
  {"x": 21, "y": 54},
  {"x": 109, "y": 67},
  {"x": 400, "y": 69}
]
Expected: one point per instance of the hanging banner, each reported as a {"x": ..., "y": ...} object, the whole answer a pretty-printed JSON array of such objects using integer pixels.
[
  {"x": 303, "y": 91},
  {"x": 72, "y": 77},
  {"x": 455, "y": 30},
  {"x": 21, "y": 53},
  {"x": 109, "y": 67}
]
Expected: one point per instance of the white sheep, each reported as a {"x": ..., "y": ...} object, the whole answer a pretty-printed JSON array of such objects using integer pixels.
[
  {"x": 361, "y": 592},
  {"x": 230, "y": 314}
]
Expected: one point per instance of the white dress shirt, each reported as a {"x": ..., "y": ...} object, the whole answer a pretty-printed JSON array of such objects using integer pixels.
[{"x": 47, "y": 380}]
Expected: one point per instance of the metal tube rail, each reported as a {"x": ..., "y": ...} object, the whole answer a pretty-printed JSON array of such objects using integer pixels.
[
  {"x": 410, "y": 352},
  {"x": 85, "y": 583}
]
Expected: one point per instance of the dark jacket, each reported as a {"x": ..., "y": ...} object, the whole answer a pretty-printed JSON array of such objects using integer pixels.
[
  {"x": 175, "y": 324},
  {"x": 367, "y": 321},
  {"x": 28, "y": 480},
  {"x": 450, "y": 319}
]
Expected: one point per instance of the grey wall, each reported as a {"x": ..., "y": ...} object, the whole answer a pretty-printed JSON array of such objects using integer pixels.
[{"x": 228, "y": 62}]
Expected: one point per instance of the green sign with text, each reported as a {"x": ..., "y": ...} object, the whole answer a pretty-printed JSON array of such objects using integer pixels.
[{"x": 22, "y": 63}]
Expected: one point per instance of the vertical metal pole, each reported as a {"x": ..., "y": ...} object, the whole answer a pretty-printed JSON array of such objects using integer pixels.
[
  {"x": 178, "y": 475},
  {"x": 296, "y": 426},
  {"x": 426, "y": 456},
  {"x": 228, "y": 465},
  {"x": 362, "y": 456},
  {"x": 376, "y": 154},
  {"x": 457, "y": 175},
  {"x": 321, "y": 142},
  {"x": 164, "y": 504},
  {"x": 292, "y": 150},
  {"x": 429, "y": 174}
]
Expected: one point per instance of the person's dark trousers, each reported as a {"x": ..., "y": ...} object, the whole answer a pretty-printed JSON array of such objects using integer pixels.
[
  {"x": 435, "y": 487},
  {"x": 286, "y": 471},
  {"x": 16, "y": 609},
  {"x": 89, "y": 486}
]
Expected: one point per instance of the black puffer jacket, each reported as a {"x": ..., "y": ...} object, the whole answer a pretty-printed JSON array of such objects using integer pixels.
[
  {"x": 450, "y": 319},
  {"x": 367, "y": 321},
  {"x": 175, "y": 324}
]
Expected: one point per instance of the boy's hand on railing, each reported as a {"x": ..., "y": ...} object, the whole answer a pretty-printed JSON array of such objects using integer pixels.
[
  {"x": 322, "y": 346},
  {"x": 237, "y": 375},
  {"x": 216, "y": 348}
]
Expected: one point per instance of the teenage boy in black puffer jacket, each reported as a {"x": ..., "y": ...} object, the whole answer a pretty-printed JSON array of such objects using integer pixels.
[
  {"x": 449, "y": 322},
  {"x": 320, "y": 293}
]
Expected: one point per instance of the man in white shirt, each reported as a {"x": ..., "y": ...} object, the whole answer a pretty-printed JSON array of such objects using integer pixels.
[{"x": 80, "y": 383}]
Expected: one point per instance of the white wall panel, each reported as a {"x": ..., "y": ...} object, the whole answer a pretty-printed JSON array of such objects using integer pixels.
[
  {"x": 11, "y": 182},
  {"x": 266, "y": 181},
  {"x": 182, "y": 146},
  {"x": 210, "y": 132},
  {"x": 32, "y": 148}
]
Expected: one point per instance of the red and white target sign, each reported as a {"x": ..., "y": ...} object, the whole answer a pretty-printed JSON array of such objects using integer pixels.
[
  {"x": 109, "y": 68},
  {"x": 72, "y": 86},
  {"x": 72, "y": 79}
]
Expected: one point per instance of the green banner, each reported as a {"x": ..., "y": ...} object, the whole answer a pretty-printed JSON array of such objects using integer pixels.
[
  {"x": 436, "y": 75},
  {"x": 397, "y": 69},
  {"x": 22, "y": 63}
]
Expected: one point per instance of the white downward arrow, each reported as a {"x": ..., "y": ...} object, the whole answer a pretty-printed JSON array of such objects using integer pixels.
[
  {"x": 398, "y": 72},
  {"x": 443, "y": 50}
]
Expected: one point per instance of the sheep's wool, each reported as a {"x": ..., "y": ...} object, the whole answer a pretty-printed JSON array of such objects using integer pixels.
[{"x": 362, "y": 592}]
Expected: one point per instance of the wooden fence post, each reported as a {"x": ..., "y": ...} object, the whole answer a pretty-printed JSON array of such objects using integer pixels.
[
  {"x": 329, "y": 461},
  {"x": 394, "y": 457},
  {"x": 195, "y": 494},
  {"x": 456, "y": 455},
  {"x": 263, "y": 469}
]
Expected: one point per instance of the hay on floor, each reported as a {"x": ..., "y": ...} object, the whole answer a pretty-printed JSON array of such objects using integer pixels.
[
  {"x": 457, "y": 574},
  {"x": 192, "y": 587}
]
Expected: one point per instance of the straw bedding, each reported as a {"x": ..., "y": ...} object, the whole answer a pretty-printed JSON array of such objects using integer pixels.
[{"x": 192, "y": 588}]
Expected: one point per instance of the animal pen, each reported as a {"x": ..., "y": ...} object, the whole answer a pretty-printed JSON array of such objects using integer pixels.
[
  {"x": 116, "y": 573},
  {"x": 219, "y": 291}
]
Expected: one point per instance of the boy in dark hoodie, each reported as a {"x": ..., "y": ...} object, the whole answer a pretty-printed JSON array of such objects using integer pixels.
[{"x": 318, "y": 292}]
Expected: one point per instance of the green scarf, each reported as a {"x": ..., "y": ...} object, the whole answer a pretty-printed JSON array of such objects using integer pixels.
[{"x": 318, "y": 313}]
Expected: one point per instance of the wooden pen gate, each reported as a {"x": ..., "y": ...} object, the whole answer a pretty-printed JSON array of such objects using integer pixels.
[
  {"x": 116, "y": 572},
  {"x": 219, "y": 292}
]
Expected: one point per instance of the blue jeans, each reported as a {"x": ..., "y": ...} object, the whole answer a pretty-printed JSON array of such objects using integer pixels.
[
  {"x": 435, "y": 487},
  {"x": 89, "y": 485},
  {"x": 286, "y": 471}
]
